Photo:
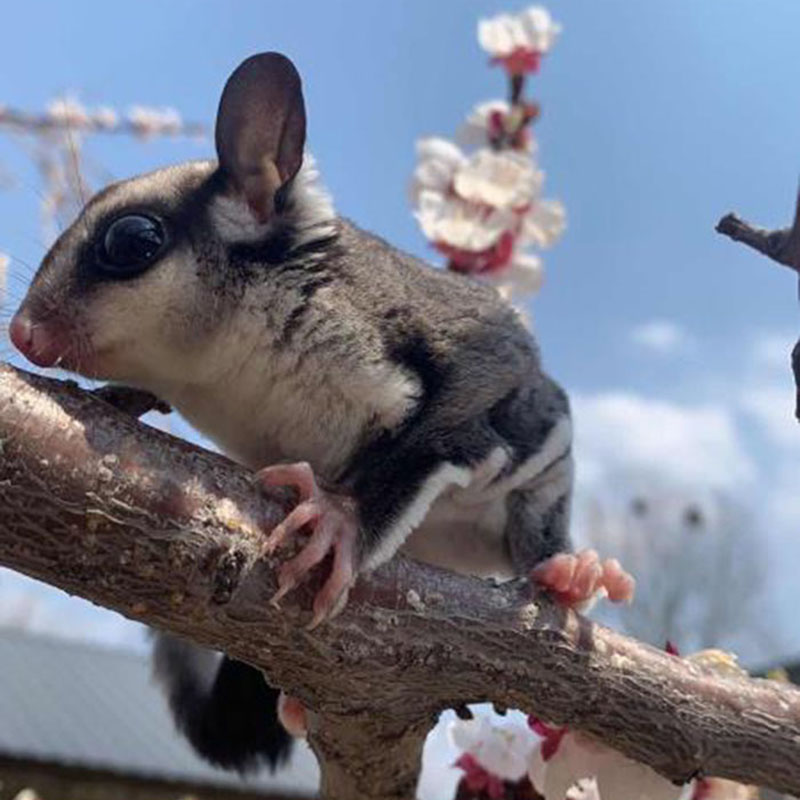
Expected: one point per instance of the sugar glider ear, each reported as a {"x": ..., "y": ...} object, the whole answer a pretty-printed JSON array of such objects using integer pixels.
[{"x": 261, "y": 129}]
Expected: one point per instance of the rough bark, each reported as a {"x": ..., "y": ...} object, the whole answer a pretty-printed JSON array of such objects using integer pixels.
[
  {"x": 133, "y": 519},
  {"x": 782, "y": 245}
]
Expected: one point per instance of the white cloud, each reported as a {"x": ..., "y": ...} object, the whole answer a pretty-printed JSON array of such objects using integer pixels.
[
  {"x": 772, "y": 408},
  {"x": 771, "y": 350},
  {"x": 623, "y": 431},
  {"x": 782, "y": 501},
  {"x": 660, "y": 336}
]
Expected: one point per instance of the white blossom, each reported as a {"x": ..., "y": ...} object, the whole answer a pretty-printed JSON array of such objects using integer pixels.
[
  {"x": 474, "y": 131},
  {"x": 148, "y": 121},
  {"x": 501, "y": 180},
  {"x": 502, "y": 750},
  {"x": 482, "y": 209},
  {"x": 539, "y": 28},
  {"x": 171, "y": 121},
  {"x": 437, "y": 162},
  {"x": 452, "y": 221},
  {"x": 617, "y": 778},
  {"x": 105, "y": 117},
  {"x": 68, "y": 111},
  {"x": 544, "y": 223},
  {"x": 532, "y": 30},
  {"x": 504, "y": 179},
  {"x": 526, "y": 272}
]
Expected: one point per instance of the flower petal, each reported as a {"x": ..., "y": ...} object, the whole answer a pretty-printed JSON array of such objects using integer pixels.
[
  {"x": 539, "y": 28},
  {"x": 474, "y": 131},
  {"x": 460, "y": 224},
  {"x": 500, "y": 35},
  {"x": 503, "y": 179},
  {"x": 503, "y": 751},
  {"x": 435, "y": 147},
  {"x": 544, "y": 223}
]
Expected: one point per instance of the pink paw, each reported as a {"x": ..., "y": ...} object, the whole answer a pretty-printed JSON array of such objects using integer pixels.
[
  {"x": 330, "y": 520},
  {"x": 575, "y": 579},
  {"x": 292, "y": 715}
]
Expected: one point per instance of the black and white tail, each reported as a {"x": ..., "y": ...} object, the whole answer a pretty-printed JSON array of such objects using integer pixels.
[{"x": 223, "y": 707}]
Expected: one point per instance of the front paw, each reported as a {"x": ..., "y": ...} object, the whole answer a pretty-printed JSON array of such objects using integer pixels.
[
  {"x": 293, "y": 715},
  {"x": 330, "y": 519},
  {"x": 577, "y": 579}
]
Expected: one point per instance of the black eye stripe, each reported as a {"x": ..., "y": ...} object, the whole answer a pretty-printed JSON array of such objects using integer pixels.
[{"x": 130, "y": 244}]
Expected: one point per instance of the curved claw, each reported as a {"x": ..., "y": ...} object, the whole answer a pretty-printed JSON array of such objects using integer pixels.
[
  {"x": 307, "y": 512},
  {"x": 332, "y": 523}
]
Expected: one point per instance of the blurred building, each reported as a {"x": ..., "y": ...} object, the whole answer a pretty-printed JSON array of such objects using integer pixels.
[{"x": 81, "y": 722}]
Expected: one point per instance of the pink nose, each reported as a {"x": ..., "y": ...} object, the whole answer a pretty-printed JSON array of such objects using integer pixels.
[{"x": 33, "y": 341}]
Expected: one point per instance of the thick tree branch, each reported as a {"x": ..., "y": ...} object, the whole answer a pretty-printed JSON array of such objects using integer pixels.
[
  {"x": 138, "y": 521},
  {"x": 781, "y": 245}
]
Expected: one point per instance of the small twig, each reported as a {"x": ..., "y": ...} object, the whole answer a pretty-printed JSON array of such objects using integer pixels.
[{"x": 782, "y": 246}]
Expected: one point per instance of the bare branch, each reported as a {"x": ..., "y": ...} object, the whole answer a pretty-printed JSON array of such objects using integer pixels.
[
  {"x": 136, "y": 520},
  {"x": 781, "y": 245}
]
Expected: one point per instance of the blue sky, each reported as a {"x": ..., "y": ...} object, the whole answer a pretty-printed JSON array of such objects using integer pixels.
[{"x": 658, "y": 117}]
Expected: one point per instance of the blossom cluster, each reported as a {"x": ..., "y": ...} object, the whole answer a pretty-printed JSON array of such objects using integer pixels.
[
  {"x": 143, "y": 120},
  {"x": 502, "y": 761},
  {"x": 69, "y": 113},
  {"x": 518, "y": 42},
  {"x": 480, "y": 204}
]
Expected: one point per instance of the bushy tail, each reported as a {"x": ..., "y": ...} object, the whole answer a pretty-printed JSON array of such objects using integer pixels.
[{"x": 223, "y": 707}]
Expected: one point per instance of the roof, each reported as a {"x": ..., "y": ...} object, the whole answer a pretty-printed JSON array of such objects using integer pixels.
[{"x": 82, "y": 705}]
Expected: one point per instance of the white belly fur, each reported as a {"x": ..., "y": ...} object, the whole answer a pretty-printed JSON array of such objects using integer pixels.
[
  {"x": 465, "y": 527},
  {"x": 466, "y": 539}
]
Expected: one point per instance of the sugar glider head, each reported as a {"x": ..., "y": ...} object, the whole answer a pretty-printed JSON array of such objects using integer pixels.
[{"x": 150, "y": 283}]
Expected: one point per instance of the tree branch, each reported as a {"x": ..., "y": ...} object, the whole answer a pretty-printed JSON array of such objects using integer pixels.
[
  {"x": 781, "y": 245},
  {"x": 20, "y": 121},
  {"x": 133, "y": 519}
]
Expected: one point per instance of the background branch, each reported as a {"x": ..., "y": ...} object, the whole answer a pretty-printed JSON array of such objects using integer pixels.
[
  {"x": 144, "y": 123},
  {"x": 164, "y": 532},
  {"x": 781, "y": 245}
]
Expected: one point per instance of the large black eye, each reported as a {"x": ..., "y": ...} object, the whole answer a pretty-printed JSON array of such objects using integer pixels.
[{"x": 130, "y": 244}]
